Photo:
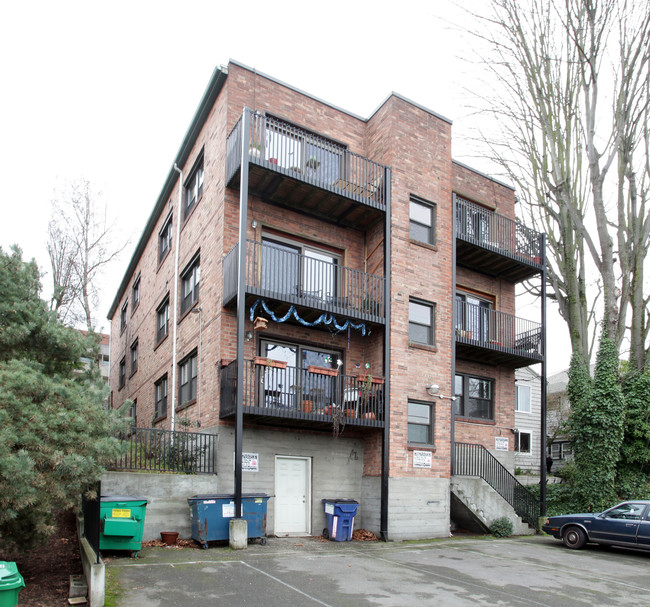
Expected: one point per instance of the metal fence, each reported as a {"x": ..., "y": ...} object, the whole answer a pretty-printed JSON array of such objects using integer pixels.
[
  {"x": 155, "y": 450},
  {"x": 489, "y": 229},
  {"x": 476, "y": 460}
]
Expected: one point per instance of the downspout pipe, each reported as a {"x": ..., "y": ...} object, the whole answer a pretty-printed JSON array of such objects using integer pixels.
[{"x": 174, "y": 314}]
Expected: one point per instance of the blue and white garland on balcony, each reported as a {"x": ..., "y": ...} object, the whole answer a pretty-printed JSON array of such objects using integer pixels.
[{"x": 326, "y": 319}]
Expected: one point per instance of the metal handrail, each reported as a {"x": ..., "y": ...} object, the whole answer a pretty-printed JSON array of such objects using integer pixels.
[
  {"x": 157, "y": 450},
  {"x": 306, "y": 156},
  {"x": 481, "y": 226},
  {"x": 310, "y": 394},
  {"x": 481, "y": 325},
  {"x": 476, "y": 460}
]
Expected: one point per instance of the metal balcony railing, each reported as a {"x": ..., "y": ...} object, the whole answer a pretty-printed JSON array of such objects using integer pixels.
[
  {"x": 483, "y": 326},
  {"x": 491, "y": 230},
  {"x": 307, "y": 394},
  {"x": 155, "y": 450},
  {"x": 278, "y": 273},
  {"x": 476, "y": 460},
  {"x": 308, "y": 157}
]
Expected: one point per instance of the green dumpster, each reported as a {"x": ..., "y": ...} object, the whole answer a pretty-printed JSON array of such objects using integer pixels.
[
  {"x": 11, "y": 583},
  {"x": 121, "y": 522}
]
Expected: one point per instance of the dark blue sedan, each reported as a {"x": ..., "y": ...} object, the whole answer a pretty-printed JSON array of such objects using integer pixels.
[{"x": 627, "y": 524}]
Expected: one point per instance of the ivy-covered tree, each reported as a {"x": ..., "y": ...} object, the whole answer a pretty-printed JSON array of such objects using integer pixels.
[
  {"x": 633, "y": 476},
  {"x": 55, "y": 433},
  {"x": 598, "y": 412}
]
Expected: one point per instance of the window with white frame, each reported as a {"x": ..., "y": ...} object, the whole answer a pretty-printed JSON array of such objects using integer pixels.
[
  {"x": 190, "y": 284},
  {"x": 420, "y": 423},
  {"x": 523, "y": 441},
  {"x": 422, "y": 216},
  {"x": 422, "y": 322},
  {"x": 522, "y": 394},
  {"x": 193, "y": 188}
]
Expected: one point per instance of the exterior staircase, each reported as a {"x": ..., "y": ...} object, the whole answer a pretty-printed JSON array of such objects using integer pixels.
[{"x": 483, "y": 490}]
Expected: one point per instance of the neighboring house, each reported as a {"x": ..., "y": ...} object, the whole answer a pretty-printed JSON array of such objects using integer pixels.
[
  {"x": 334, "y": 297},
  {"x": 528, "y": 415},
  {"x": 558, "y": 411}
]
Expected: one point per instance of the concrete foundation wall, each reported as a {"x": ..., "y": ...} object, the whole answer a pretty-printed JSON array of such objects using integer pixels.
[
  {"x": 336, "y": 467},
  {"x": 418, "y": 508},
  {"x": 167, "y": 509},
  {"x": 486, "y": 504}
]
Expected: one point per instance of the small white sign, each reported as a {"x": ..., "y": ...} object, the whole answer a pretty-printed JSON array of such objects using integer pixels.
[
  {"x": 250, "y": 462},
  {"x": 422, "y": 459},
  {"x": 228, "y": 510},
  {"x": 500, "y": 443},
  {"x": 329, "y": 508}
]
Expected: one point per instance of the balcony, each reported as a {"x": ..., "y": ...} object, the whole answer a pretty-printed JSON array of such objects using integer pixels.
[
  {"x": 318, "y": 286},
  {"x": 488, "y": 336},
  {"x": 492, "y": 244},
  {"x": 292, "y": 167},
  {"x": 315, "y": 398}
]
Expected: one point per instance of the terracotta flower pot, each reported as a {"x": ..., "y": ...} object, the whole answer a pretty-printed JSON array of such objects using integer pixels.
[{"x": 169, "y": 537}]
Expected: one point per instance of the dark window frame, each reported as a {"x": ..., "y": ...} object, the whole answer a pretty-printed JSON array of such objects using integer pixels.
[
  {"x": 160, "y": 398},
  {"x": 162, "y": 311},
  {"x": 189, "y": 277},
  {"x": 133, "y": 356},
  {"x": 413, "y": 424},
  {"x": 124, "y": 315},
  {"x": 463, "y": 399},
  {"x": 422, "y": 227},
  {"x": 122, "y": 373},
  {"x": 135, "y": 293},
  {"x": 430, "y": 328},
  {"x": 187, "y": 390},
  {"x": 165, "y": 237},
  {"x": 193, "y": 190}
]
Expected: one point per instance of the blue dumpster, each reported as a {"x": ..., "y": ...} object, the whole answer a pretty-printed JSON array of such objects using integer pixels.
[
  {"x": 211, "y": 514},
  {"x": 340, "y": 515}
]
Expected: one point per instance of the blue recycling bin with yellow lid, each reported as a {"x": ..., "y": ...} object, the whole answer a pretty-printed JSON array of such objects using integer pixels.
[
  {"x": 11, "y": 583},
  {"x": 340, "y": 515}
]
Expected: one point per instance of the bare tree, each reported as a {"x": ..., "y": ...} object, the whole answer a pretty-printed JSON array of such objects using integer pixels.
[
  {"x": 80, "y": 244},
  {"x": 572, "y": 99}
]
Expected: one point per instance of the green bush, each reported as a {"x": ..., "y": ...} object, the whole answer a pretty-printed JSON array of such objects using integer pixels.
[{"x": 501, "y": 527}]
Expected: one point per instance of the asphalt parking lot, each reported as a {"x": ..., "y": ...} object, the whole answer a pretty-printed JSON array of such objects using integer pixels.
[{"x": 534, "y": 570}]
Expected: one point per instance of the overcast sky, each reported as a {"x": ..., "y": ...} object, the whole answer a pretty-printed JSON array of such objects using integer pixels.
[{"x": 107, "y": 90}]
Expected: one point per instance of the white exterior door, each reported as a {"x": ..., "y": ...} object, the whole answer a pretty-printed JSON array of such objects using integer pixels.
[{"x": 292, "y": 495}]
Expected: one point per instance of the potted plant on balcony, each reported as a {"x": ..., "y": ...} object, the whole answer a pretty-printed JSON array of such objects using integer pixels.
[
  {"x": 270, "y": 362},
  {"x": 323, "y": 370}
]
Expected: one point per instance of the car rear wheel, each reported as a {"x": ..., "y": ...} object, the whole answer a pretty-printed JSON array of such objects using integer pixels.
[{"x": 574, "y": 537}]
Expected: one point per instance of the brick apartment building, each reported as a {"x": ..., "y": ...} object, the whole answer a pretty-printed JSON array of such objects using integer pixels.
[{"x": 314, "y": 287}]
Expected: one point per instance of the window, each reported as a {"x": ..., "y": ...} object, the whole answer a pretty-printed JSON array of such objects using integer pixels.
[
  {"x": 474, "y": 397},
  {"x": 561, "y": 450},
  {"x": 190, "y": 284},
  {"x": 473, "y": 316},
  {"x": 523, "y": 399},
  {"x": 420, "y": 427},
  {"x": 421, "y": 323},
  {"x": 161, "y": 397},
  {"x": 165, "y": 238},
  {"x": 162, "y": 320},
  {"x": 422, "y": 215},
  {"x": 188, "y": 372},
  {"x": 134, "y": 357},
  {"x": 193, "y": 188},
  {"x": 123, "y": 315},
  {"x": 136, "y": 293},
  {"x": 133, "y": 413},
  {"x": 299, "y": 269},
  {"x": 122, "y": 373},
  {"x": 523, "y": 441}
]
